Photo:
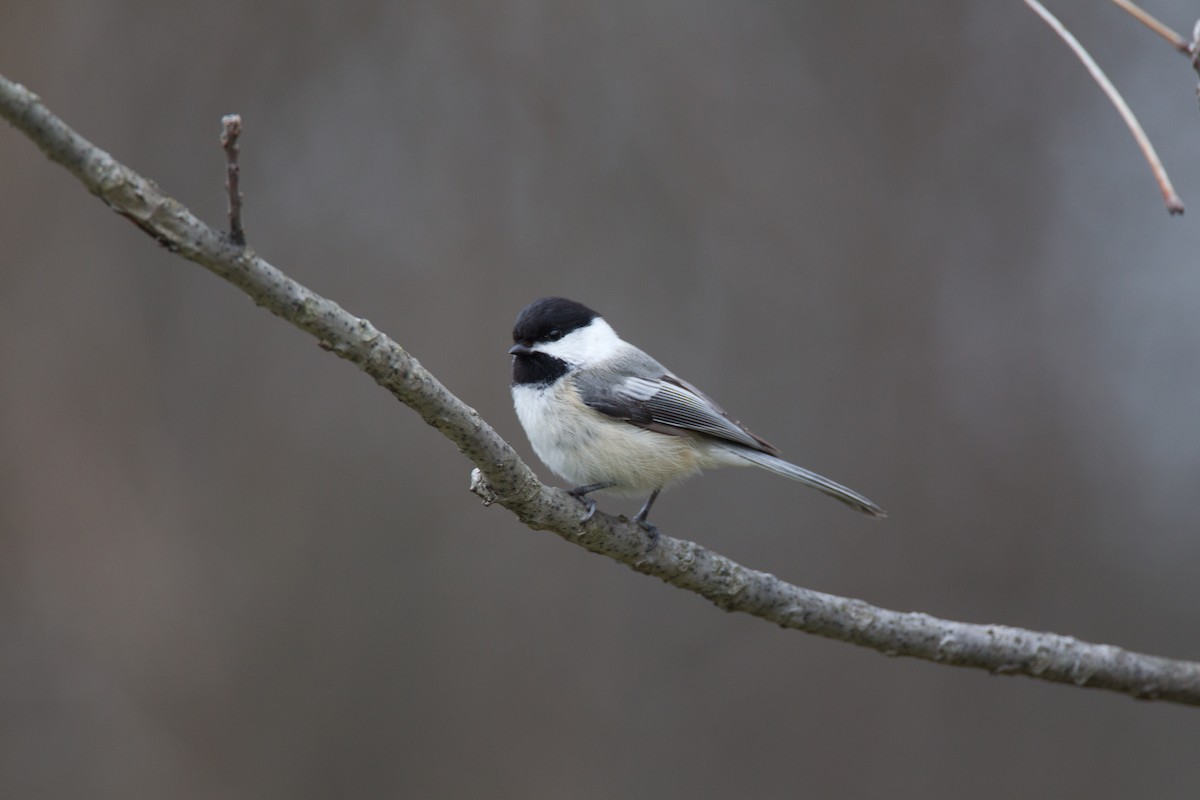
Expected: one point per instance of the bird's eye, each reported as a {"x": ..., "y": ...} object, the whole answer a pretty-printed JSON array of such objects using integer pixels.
[{"x": 554, "y": 335}]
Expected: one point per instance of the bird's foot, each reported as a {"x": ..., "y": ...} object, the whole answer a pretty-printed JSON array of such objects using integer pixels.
[
  {"x": 581, "y": 492},
  {"x": 640, "y": 519}
]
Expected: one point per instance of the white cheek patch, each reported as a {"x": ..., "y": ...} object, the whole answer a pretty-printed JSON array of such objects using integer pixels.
[{"x": 583, "y": 345}]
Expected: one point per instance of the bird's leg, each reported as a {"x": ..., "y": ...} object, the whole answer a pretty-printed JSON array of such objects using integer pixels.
[
  {"x": 640, "y": 519},
  {"x": 582, "y": 493}
]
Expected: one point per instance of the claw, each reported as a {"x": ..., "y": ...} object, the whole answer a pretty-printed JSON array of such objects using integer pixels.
[
  {"x": 590, "y": 504},
  {"x": 582, "y": 493},
  {"x": 651, "y": 534}
]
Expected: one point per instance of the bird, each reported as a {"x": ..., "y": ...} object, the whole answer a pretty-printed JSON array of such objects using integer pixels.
[{"x": 606, "y": 416}]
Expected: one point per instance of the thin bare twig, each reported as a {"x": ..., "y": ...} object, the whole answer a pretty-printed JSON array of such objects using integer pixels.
[
  {"x": 231, "y": 129},
  {"x": 1173, "y": 201},
  {"x": 1189, "y": 49},
  {"x": 1144, "y": 17},
  {"x": 502, "y": 477}
]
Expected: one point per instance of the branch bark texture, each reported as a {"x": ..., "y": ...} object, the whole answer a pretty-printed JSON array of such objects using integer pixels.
[{"x": 502, "y": 477}]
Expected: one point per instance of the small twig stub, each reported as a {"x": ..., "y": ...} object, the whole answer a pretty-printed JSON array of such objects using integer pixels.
[{"x": 231, "y": 129}]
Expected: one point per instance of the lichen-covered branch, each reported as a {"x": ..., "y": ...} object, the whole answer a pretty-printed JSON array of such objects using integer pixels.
[{"x": 502, "y": 477}]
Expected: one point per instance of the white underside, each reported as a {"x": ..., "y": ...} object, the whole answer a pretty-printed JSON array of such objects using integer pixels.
[{"x": 584, "y": 446}]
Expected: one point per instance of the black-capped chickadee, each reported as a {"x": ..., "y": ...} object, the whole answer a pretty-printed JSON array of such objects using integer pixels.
[{"x": 605, "y": 416}]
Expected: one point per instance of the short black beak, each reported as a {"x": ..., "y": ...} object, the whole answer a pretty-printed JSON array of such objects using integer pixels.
[{"x": 520, "y": 349}]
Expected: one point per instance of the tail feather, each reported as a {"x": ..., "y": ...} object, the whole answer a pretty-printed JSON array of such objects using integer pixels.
[{"x": 808, "y": 478}]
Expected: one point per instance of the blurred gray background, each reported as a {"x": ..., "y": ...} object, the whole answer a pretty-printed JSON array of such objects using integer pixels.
[{"x": 911, "y": 244}]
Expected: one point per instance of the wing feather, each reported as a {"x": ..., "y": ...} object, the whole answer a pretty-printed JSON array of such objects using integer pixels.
[{"x": 663, "y": 403}]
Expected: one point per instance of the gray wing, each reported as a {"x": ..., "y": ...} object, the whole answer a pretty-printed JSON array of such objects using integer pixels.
[{"x": 639, "y": 390}]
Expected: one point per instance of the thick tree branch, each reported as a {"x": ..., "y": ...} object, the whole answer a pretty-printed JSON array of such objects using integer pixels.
[{"x": 502, "y": 477}]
